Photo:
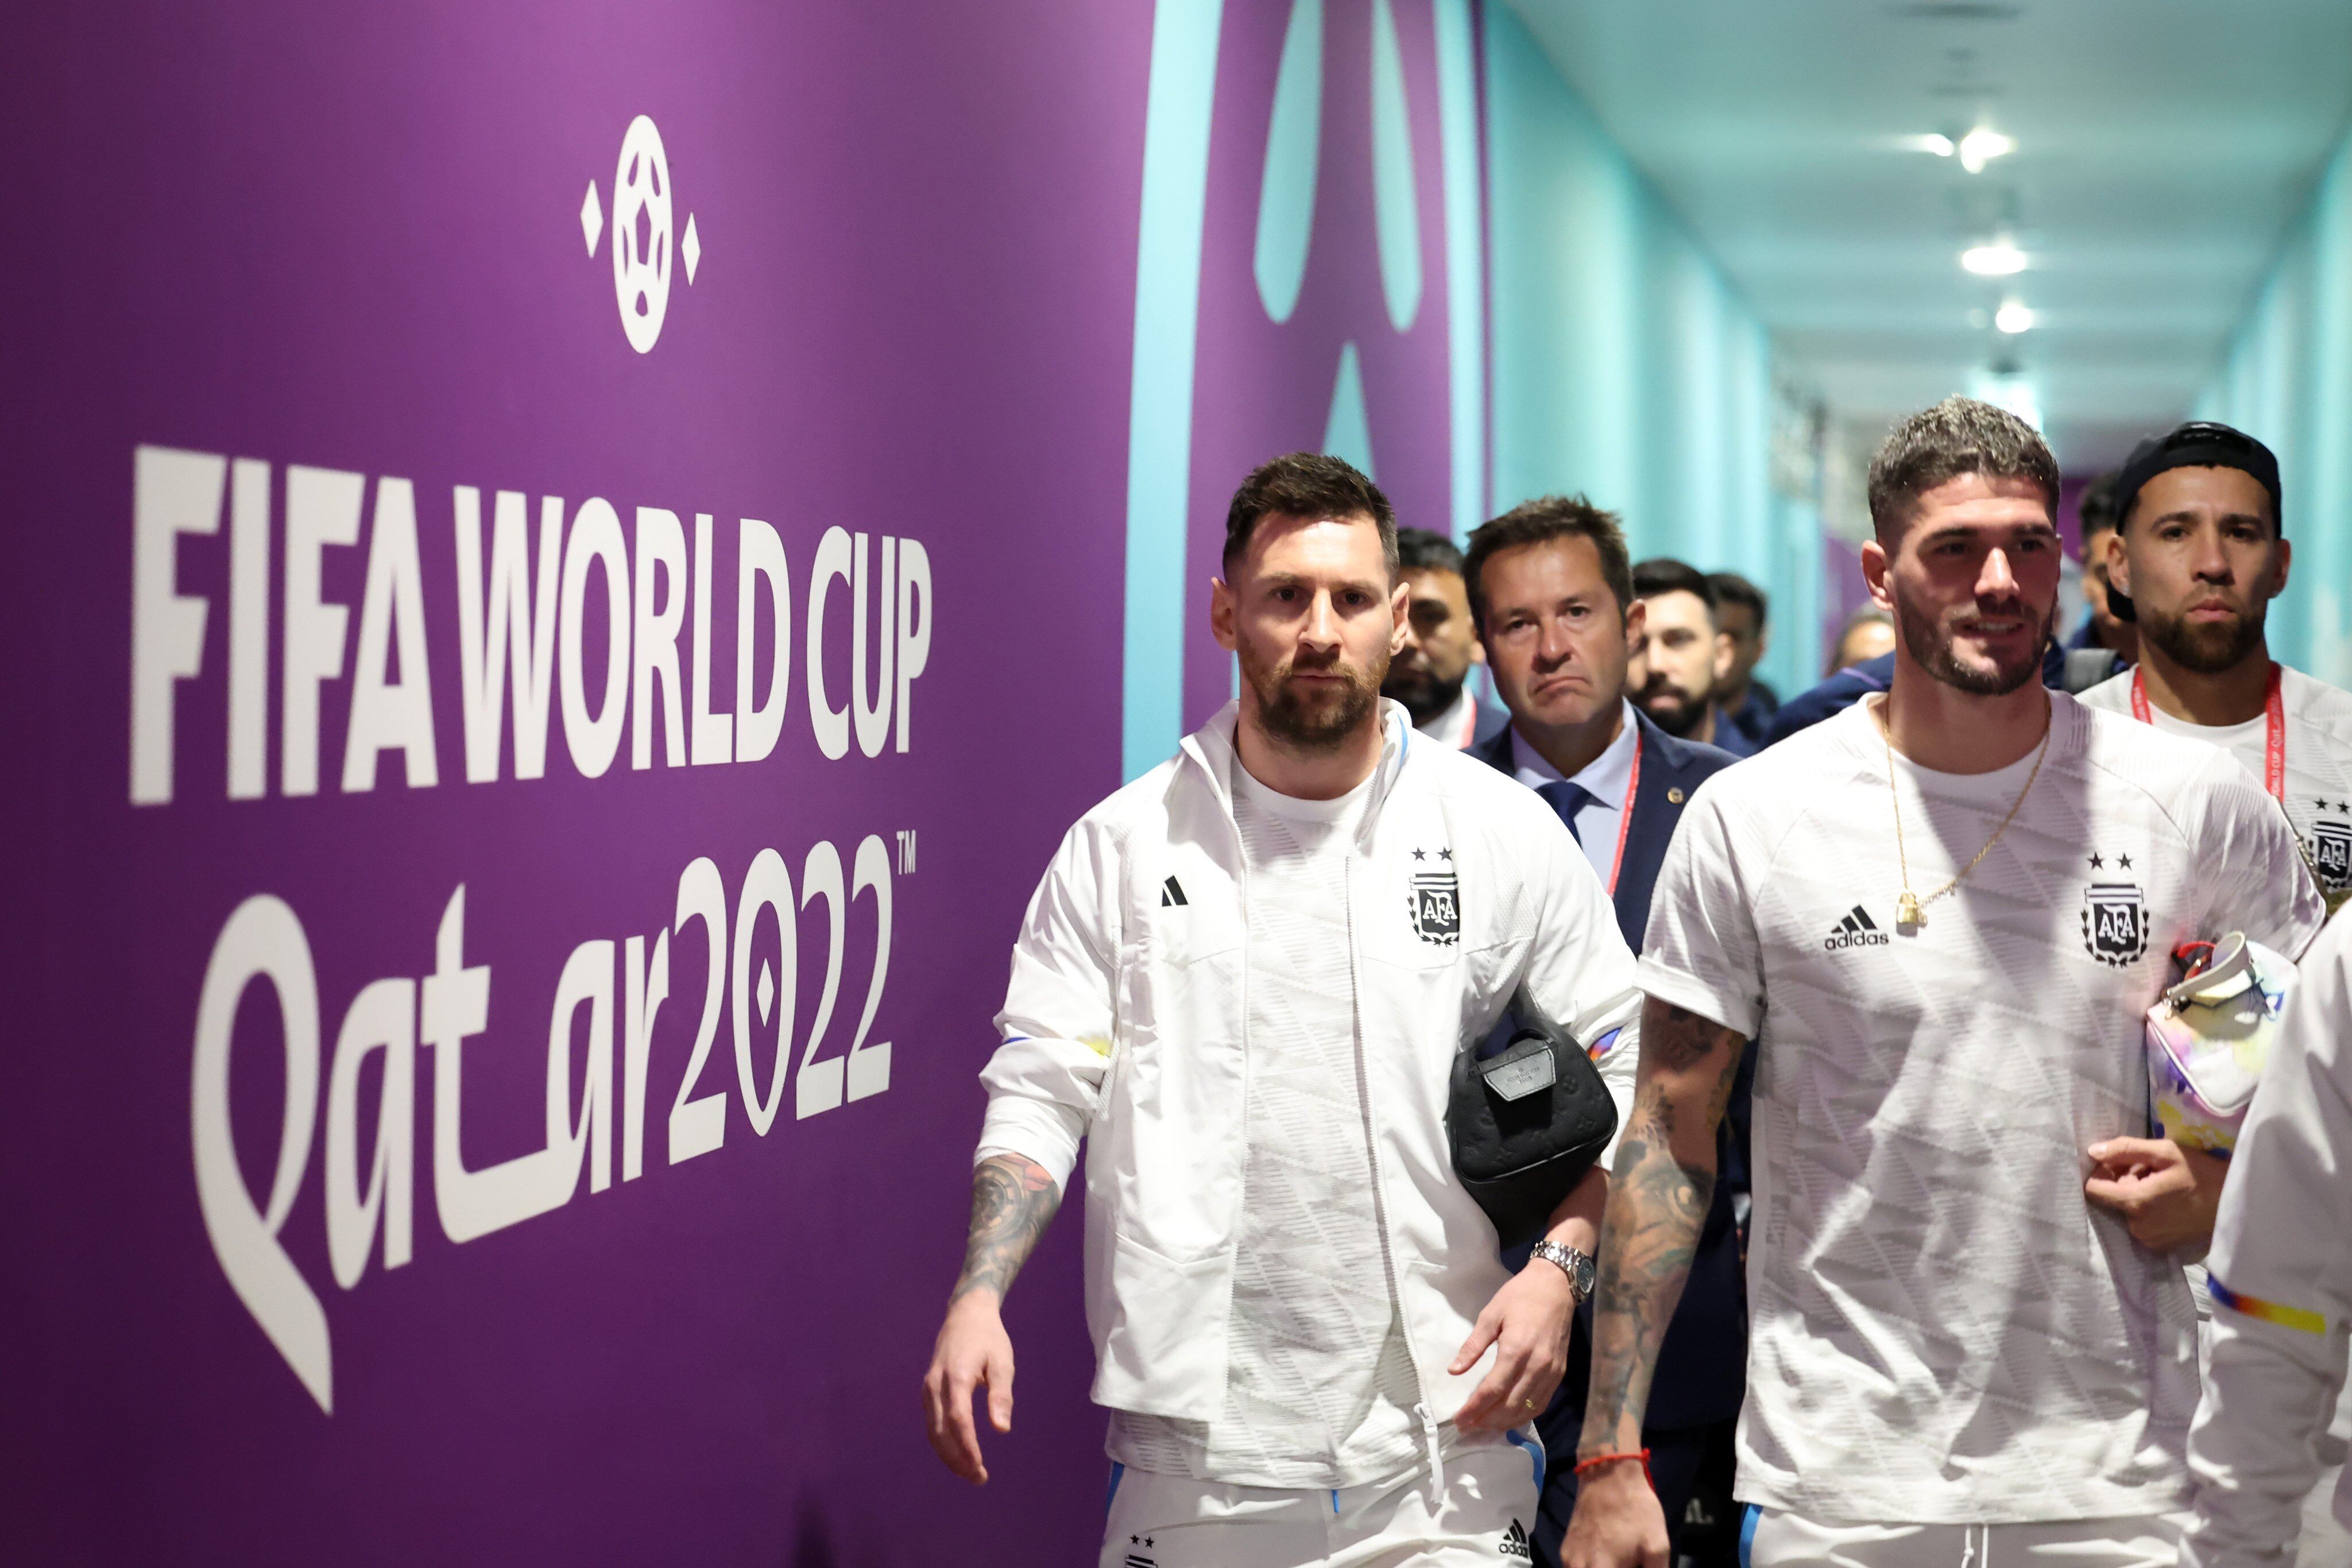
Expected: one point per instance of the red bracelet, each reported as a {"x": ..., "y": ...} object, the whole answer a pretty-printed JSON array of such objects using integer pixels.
[{"x": 1599, "y": 1459}]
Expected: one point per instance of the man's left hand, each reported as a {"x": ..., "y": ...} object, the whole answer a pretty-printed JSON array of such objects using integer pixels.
[
  {"x": 2167, "y": 1194},
  {"x": 1526, "y": 1322}
]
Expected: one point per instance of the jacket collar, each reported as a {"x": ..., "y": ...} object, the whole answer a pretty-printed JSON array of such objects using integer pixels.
[{"x": 1210, "y": 749}]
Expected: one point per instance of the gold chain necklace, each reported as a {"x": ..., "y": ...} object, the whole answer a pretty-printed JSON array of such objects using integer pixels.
[{"x": 1911, "y": 909}]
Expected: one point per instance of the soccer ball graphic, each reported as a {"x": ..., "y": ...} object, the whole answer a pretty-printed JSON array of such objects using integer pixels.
[{"x": 641, "y": 234}]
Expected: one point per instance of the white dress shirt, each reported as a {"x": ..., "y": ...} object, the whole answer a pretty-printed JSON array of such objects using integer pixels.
[{"x": 1604, "y": 778}]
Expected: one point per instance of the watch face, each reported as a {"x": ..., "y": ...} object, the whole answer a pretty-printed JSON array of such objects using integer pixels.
[{"x": 1584, "y": 1271}]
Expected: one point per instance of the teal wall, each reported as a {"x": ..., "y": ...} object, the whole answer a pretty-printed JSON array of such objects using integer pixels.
[
  {"x": 2287, "y": 379},
  {"x": 1624, "y": 366}
]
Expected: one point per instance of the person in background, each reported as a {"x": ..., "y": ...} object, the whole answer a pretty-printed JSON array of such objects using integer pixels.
[
  {"x": 1553, "y": 593},
  {"x": 1946, "y": 911},
  {"x": 2104, "y": 643},
  {"x": 1866, "y": 638},
  {"x": 1742, "y": 614},
  {"x": 1430, "y": 673},
  {"x": 2282, "y": 1285},
  {"x": 1683, "y": 650},
  {"x": 1309, "y": 1348},
  {"x": 2196, "y": 557}
]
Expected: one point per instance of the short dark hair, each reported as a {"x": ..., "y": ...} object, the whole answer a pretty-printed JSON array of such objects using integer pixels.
[
  {"x": 2097, "y": 509},
  {"x": 1539, "y": 521},
  {"x": 1307, "y": 484},
  {"x": 1663, "y": 574},
  {"x": 1730, "y": 587},
  {"x": 1418, "y": 550},
  {"x": 1959, "y": 435}
]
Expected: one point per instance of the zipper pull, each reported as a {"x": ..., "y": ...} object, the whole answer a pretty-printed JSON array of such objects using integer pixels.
[{"x": 1436, "y": 1454}]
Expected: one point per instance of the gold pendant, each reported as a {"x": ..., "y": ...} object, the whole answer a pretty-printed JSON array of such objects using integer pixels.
[{"x": 1908, "y": 912}]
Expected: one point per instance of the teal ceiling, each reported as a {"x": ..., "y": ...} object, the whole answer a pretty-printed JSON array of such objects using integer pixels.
[{"x": 2163, "y": 148}]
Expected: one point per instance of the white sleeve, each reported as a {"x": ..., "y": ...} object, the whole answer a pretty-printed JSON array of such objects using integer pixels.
[
  {"x": 2282, "y": 1282},
  {"x": 1580, "y": 971},
  {"x": 1702, "y": 953},
  {"x": 1044, "y": 1080},
  {"x": 2262, "y": 885}
]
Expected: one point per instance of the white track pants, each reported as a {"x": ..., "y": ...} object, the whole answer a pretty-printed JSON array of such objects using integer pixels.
[
  {"x": 1774, "y": 1539},
  {"x": 1481, "y": 1516}
]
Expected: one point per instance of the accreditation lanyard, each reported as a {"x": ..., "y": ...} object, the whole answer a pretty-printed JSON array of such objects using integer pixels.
[
  {"x": 1469, "y": 731},
  {"x": 2273, "y": 730},
  {"x": 1625, "y": 816}
]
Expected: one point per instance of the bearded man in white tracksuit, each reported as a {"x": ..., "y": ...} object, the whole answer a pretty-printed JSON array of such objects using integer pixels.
[{"x": 1243, "y": 982}]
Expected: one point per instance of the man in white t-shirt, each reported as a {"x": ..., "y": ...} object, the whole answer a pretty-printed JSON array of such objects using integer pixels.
[
  {"x": 1942, "y": 913},
  {"x": 1243, "y": 983},
  {"x": 2197, "y": 557}
]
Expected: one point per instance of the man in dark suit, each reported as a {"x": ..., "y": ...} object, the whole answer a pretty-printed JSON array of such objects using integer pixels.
[{"x": 1551, "y": 588}]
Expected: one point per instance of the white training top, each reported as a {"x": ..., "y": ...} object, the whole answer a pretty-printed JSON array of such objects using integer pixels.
[
  {"x": 1945, "y": 1330},
  {"x": 1319, "y": 1386},
  {"x": 2319, "y": 797}
]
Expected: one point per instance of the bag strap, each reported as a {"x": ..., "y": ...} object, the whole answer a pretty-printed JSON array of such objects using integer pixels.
[{"x": 2233, "y": 961}]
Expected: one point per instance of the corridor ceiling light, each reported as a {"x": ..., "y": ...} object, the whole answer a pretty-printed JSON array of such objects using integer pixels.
[
  {"x": 1942, "y": 146},
  {"x": 1981, "y": 146},
  {"x": 2013, "y": 317},
  {"x": 1998, "y": 259}
]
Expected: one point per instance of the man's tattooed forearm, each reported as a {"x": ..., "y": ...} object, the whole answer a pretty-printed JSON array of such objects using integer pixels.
[
  {"x": 1011, "y": 1199},
  {"x": 1657, "y": 1204},
  {"x": 1682, "y": 1038}
]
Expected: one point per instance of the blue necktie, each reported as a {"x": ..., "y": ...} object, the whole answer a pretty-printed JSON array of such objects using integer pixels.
[{"x": 1567, "y": 800}]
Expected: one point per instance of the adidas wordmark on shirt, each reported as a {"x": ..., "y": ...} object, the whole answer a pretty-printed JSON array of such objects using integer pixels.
[
  {"x": 2318, "y": 781},
  {"x": 1944, "y": 1329}
]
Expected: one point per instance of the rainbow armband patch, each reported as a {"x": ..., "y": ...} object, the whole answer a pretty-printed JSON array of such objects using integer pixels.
[{"x": 2286, "y": 1317}]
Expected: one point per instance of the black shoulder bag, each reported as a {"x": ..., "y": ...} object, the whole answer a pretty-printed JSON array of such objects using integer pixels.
[{"x": 1528, "y": 1122}]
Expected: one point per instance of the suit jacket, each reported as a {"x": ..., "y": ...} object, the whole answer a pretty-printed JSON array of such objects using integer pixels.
[
  {"x": 1671, "y": 770},
  {"x": 1703, "y": 1363}
]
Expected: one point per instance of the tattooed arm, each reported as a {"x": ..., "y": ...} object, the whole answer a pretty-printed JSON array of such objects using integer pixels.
[
  {"x": 1011, "y": 1199},
  {"x": 1658, "y": 1197}
]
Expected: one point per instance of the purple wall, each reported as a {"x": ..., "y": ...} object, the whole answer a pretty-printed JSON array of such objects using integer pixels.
[
  {"x": 351, "y": 239},
  {"x": 302, "y": 290}
]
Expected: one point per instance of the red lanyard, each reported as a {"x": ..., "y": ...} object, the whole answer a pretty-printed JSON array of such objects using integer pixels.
[
  {"x": 1625, "y": 816},
  {"x": 2273, "y": 730},
  {"x": 1469, "y": 726}
]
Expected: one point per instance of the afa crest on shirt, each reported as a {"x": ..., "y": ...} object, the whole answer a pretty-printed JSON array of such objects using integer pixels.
[
  {"x": 2115, "y": 922},
  {"x": 1435, "y": 907},
  {"x": 2331, "y": 853}
]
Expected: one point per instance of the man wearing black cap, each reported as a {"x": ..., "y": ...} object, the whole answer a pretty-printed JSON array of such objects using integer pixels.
[{"x": 2196, "y": 560}]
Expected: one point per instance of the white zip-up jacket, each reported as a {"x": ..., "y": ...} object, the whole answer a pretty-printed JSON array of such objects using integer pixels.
[
  {"x": 1124, "y": 1026},
  {"x": 2282, "y": 1282}
]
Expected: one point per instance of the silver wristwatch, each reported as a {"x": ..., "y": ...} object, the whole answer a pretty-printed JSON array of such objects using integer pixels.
[{"x": 1578, "y": 1266}]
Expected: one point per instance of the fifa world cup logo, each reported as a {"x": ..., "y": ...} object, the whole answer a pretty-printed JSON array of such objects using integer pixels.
[{"x": 641, "y": 230}]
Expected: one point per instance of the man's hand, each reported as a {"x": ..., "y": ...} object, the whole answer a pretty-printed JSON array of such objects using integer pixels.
[
  {"x": 2167, "y": 1194},
  {"x": 1528, "y": 1323},
  {"x": 1012, "y": 1197},
  {"x": 972, "y": 1349},
  {"x": 1618, "y": 1522}
]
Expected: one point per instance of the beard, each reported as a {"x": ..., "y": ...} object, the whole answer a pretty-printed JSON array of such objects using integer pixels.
[
  {"x": 1417, "y": 686},
  {"x": 1931, "y": 644},
  {"x": 2206, "y": 650},
  {"x": 1309, "y": 720},
  {"x": 1678, "y": 715}
]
